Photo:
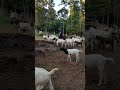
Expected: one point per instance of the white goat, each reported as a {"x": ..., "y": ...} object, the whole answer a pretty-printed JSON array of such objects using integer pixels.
[
  {"x": 42, "y": 77},
  {"x": 97, "y": 60},
  {"x": 52, "y": 37},
  {"x": 61, "y": 41},
  {"x": 70, "y": 52},
  {"x": 45, "y": 37},
  {"x": 26, "y": 26},
  {"x": 77, "y": 40},
  {"x": 40, "y": 32},
  {"x": 69, "y": 42},
  {"x": 13, "y": 15}
]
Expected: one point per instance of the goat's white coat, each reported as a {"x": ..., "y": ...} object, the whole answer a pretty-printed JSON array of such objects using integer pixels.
[
  {"x": 74, "y": 52},
  {"x": 45, "y": 37},
  {"x": 61, "y": 41},
  {"x": 14, "y": 15},
  {"x": 26, "y": 26},
  {"x": 97, "y": 60},
  {"x": 42, "y": 77},
  {"x": 77, "y": 39},
  {"x": 69, "y": 42},
  {"x": 51, "y": 37}
]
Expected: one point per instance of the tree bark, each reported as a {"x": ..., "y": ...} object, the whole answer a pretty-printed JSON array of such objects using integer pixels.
[
  {"x": 2, "y": 8},
  {"x": 108, "y": 17}
]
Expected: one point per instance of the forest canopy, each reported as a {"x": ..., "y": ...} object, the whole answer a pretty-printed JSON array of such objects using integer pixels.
[{"x": 70, "y": 20}]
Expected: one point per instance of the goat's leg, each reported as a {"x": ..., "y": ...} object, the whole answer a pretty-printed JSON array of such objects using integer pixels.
[
  {"x": 70, "y": 57},
  {"x": 101, "y": 78},
  {"x": 50, "y": 85},
  {"x": 68, "y": 44},
  {"x": 57, "y": 43},
  {"x": 91, "y": 44},
  {"x": 77, "y": 57},
  {"x": 82, "y": 44},
  {"x": 73, "y": 45},
  {"x": 61, "y": 44},
  {"x": 101, "y": 73},
  {"x": 105, "y": 80},
  {"x": 39, "y": 87},
  {"x": 65, "y": 44}
]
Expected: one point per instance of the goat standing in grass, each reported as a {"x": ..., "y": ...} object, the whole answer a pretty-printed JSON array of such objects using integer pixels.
[
  {"x": 97, "y": 60},
  {"x": 42, "y": 77},
  {"x": 70, "y": 52}
]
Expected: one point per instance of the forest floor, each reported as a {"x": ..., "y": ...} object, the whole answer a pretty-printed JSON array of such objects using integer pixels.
[
  {"x": 71, "y": 75},
  {"x": 16, "y": 62}
]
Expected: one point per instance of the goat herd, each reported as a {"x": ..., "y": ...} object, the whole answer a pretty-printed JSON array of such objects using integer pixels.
[
  {"x": 67, "y": 42},
  {"x": 42, "y": 76},
  {"x": 98, "y": 35},
  {"x": 22, "y": 25}
]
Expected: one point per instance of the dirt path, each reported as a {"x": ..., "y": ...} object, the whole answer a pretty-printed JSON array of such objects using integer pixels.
[
  {"x": 16, "y": 63},
  {"x": 71, "y": 75}
]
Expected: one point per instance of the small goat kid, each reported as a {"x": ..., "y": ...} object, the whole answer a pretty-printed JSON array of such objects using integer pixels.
[
  {"x": 42, "y": 77},
  {"x": 70, "y": 52}
]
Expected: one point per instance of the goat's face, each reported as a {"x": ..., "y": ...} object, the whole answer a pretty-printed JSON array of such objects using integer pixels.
[{"x": 61, "y": 49}]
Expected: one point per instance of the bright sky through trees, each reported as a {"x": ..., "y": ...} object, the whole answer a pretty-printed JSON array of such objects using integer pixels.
[{"x": 58, "y": 6}]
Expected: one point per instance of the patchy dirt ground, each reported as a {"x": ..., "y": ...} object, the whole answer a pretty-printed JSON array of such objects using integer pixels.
[
  {"x": 16, "y": 62},
  {"x": 112, "y": 70},
  {"x": 71, "y": 75}
]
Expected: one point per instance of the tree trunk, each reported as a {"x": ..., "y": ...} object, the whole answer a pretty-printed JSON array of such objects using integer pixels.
[
  {"x": 108, "y": 20},
  {"x": 114, "y": 12},
  {"x": 2, "y": 8},
  {"x": 63, "y": 28},
  {"x": 102, "y": 19},
  {"x": 108, "y": 17}
]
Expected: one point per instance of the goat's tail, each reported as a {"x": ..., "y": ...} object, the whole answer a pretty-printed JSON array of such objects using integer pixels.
[
  {"x": 110, "y": 59},
  {"x": 53, "y": 71}
]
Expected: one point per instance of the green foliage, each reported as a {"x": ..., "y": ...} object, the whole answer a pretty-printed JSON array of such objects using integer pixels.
[
  {"x": 47, "y": 20},
  {"x": 103, "y": 9},
  {"x": 63, "y": 13},
  {"x": 97, "y": 7},
  {"x": 75, "y": 23}
]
